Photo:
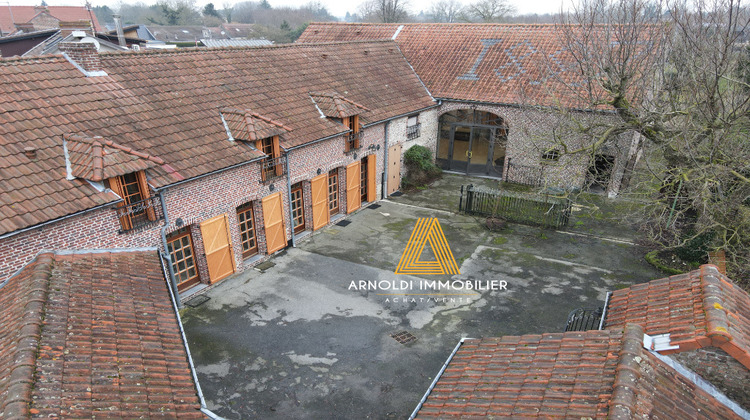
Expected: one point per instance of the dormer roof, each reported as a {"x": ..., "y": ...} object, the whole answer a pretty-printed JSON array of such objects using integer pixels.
[
  {"x": 251, "y": 126},
  {"x": 97, "y": 159},
  {"x": 333, "y": 105}
]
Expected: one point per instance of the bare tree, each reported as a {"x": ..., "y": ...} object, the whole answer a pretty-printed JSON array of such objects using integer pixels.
[
  {"x": 489, "y": 10},
  {"x": 675, "y": 75},
  {"x": 386, "y": 11},
  {"x": 446, "y": 11}
]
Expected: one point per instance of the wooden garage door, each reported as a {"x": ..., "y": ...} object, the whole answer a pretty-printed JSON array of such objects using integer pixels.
[
  {"x": 353, "y": 196},
  {"x": 218, "y": 247},
  {"x": 371, "y": 189},
  {"x": 394, "y": 168},
  {"x": 321, "y": 215},
  {"x": 273, "y": 220}
]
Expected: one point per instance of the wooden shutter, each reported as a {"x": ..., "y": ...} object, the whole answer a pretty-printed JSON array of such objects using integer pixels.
[
  {"x": 145, "y": 194},
  {"x": 355, "y": 130},
  {"x": 345, "y": 120},
  {"x": 371, "y": 188},
  {"x": 116, "y": 186},
  {"x": 319, "y": 188},
  {"x": 218, "y": 248},
  {"x": 277, "y": 154},
  {"x": 353, "y": 196},
  {"x": 273, "y": 220}
]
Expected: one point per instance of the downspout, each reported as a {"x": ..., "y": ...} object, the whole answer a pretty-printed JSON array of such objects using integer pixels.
[
  {"x": 434, "y": 382},
  {"x": 289, "y": 199},
  {"x": 175, "y": 302},
  {"x": 165, "y": 254},
  {"x": 384, "y": 187}
]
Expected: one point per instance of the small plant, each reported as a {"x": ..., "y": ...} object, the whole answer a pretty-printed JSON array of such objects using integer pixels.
[{"x": 420, "y": 169}]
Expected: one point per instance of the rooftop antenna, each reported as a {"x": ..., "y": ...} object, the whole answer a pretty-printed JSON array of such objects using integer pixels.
[{"x": 11, "y": 14}]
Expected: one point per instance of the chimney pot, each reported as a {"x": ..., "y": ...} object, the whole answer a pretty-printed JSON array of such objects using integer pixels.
[{"x": 30, "y": 152}]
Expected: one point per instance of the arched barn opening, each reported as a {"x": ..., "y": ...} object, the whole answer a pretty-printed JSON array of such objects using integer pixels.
[{"x": 472, "y": 142}]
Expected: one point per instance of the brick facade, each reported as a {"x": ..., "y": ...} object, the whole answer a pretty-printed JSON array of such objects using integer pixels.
[{"x": 534, "y": 131}]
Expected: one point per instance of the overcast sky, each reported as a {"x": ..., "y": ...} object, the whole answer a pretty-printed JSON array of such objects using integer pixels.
[{"x": 336, "y": 7}]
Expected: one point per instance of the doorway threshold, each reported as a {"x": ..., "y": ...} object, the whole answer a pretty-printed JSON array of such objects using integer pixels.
[{"x": 193, "y": 290}]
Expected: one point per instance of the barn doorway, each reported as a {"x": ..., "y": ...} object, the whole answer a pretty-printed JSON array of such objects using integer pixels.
[
  {"x": 472, "y": 142},
  {"x": 600, "y": 173}
]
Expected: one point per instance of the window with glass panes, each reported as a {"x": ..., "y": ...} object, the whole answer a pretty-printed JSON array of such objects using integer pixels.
[
  {"x": 298, "y": 208},
  {"x": 333, "y": 191},
  {"x": 246, "y": 220},
  {"x": 180, "y": 247},
  {"x": 363, "y": 179}
]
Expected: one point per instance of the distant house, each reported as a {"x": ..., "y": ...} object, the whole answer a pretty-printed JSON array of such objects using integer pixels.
[
  {"x": 184, "y": 34},
  {"x": 674, "y": 348},
  {"x": 36, "y": 18},
  {"x": 498, "y": 86}
]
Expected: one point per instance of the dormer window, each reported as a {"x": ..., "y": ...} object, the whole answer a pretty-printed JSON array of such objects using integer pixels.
[
  {"x": 340, "y": 109},
  {"x": 353, "y": 139},
  {"x": 137, "y": 208},
  {"x": 260, "y": 132},
  {"x": 122, "y": 170},
  {"x": 273, "y": 164}
]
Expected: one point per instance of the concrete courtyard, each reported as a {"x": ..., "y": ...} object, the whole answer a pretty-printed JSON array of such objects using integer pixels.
[{"x": 297, "y": 341}]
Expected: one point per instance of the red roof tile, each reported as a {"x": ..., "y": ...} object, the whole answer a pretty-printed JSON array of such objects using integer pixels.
[
  {"x": 248, "y": 125},
  {"x": 166, "y": 105},
  {"x": 331, "y": 104},
  {"x": 592, "y": 374},
  {"x": 97, "y": 337},
  {"x": 23, "y": 14},
  {"x": 697, "y": 309},
  {"x": 499, "y": 63},
  {"x": 97, "y": 159}
]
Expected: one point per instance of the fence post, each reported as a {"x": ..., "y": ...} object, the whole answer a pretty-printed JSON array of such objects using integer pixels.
[
  {"x": 469, "y": 198},
  {"x": 461, "y": 200}
]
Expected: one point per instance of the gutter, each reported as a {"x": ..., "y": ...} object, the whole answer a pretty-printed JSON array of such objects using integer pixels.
[
  {"x": 172, "y": 279},
  {"x": 434, "y": 382},
  {"x": 384, "y": 187},
  {"x": 204, "y": 409},
  {"x": 289, "y": 199}
]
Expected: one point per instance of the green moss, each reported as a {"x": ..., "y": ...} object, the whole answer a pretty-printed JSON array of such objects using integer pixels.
[
  {"x": 570, "y": 256},
  {"x": 500, "y": 240},
  {"x": 653, "y": 259}
]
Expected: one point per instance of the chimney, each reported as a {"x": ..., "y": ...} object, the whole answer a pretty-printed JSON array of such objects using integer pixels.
[
  {"x": 120, "y": 32},
  {"x": 25, "y": 27},
  {"x": 68, "y": 27},
  {"x": 83, "y": 55}
]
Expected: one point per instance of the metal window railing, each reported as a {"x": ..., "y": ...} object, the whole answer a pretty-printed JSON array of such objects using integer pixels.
[
  {"x": 271, "y": 168},
  {"x": 584, "y": 319},
  {"x": 354, "y": 141},
  {"x": 413, "y": 131},
  {"x": 139, "y": 214}
]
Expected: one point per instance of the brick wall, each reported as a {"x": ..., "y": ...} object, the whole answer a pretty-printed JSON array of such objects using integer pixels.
[
  {"x": 427, "y": 138},
  {"x": 196, "y": 201},
  {"x": 721, "y": 369},
  {"x": 83, "y": 53},
  {"x": 532, "y": 132}
]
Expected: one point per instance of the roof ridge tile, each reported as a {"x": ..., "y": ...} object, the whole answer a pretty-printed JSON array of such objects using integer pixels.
[
  {"x": 623, "y": 402},
  {"x": 717, "y": 323}
]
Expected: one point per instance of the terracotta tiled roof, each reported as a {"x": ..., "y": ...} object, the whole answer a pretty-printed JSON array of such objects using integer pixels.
[
  {"x": 251, "y": 126},
  {"x": 92, "y": 335},
  {"x": 167, "y": 104},
  {"x": 23, "y": 14},
  {"x": 498, "y": 63},
  {"x": 698, "y": 309},
  {"x": 97, "y": 159},
  {"x": 331, "y": 104},
  {"x": 592, "y": 374}
]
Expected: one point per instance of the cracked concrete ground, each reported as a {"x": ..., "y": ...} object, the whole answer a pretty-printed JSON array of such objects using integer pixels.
[{"x": 295, "y": 342}]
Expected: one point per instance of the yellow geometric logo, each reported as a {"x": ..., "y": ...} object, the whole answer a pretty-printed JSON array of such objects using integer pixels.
[{"x": 427, "y": 230}]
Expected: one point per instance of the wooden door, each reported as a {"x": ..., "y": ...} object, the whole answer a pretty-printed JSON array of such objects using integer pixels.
[
  {"x": 180, "y": 248},
  {"x": 320, "y": 213},
  {"x": 371, "y": 187},
  {"x": 218, "y": 248},
  {"x": 353, "y": 196},
  {"x": 273, "y": 220},
  {"x": 394, "y": 168}
]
